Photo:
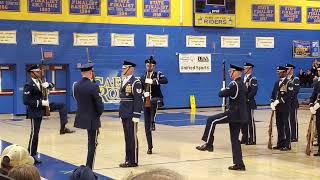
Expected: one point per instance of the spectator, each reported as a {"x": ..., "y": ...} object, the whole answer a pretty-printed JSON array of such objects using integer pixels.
[
  {"x": 13, "y": 156},
  {"x": 83, "y": 173},
  {"x": 155, "y": 174},
  {"x": 313, "y": 69},
  {"x": 309, "y": 79},
  {"x": 25, "y": 172},
  {"x": 302, "y": 78}
]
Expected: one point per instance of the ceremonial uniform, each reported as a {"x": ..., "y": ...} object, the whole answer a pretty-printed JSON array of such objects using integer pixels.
[
  {"x": 249, "y": 129},
  {"x": 33, "y": 99},
  {"x": 130, "y": 112},
  {"x": 314, "y": 108},
  {"x": 236, "y": 115},
  {"x": 280, "y": 102},
  {"x": 294, "y": 105},
  {"x": 156, "y": 99},
  {"x": 89, "y": 110}
]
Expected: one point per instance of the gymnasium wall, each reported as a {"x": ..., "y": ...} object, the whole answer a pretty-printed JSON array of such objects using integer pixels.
[{"x": 108, "y": 59}]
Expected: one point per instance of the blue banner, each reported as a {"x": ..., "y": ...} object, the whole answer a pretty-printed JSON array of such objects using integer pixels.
[
  {"x": 45, "y": 6},
  {"x": 156, "y": 8},
  {"x": 305, "y": 49},
  {"x": 291, "y": 14},
  {"x": 262, "y": 12},
  {"x": 122, "y": 8},
  {"x": 91, "y": 7},
  {"x": 9, "y": 5},
  {"x": 313, "y": 15}
]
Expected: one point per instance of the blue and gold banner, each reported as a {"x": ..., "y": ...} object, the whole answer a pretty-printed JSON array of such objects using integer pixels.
[
  {"x": 290, "y": 14},
  {"x": 156, "y": 8},
  {"x": 87, "y": 7},
  {"x": 45, "y": 6},
  {"x": 263, "y": 12},
  {"x": 214, "y": 20},
  {"x": 313, "y": 15},
  {"x": 9, "y": 5},
  {"x": 122, "y": 7},
  {"x": 305, "y": 49}
]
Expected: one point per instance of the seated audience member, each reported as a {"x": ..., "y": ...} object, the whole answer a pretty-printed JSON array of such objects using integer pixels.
[
  {"x": 13, "y": 156},
  {"x": 309, "y": 79},
  {"x": 314, "y": 67},
  {"x": 24, "y": 172},
  {"x": 155, "y": 174},
  {"x": 302, "y": 78},
  {"x": 83, "y": 173}
]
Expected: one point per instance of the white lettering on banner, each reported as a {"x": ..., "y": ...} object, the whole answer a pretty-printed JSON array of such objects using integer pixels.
[
  {"x": 230, "y": 41},
  {"x": 8, "y": 37},
  {"x": 81, "y": 39},
  {"x": 43, "y": 37},
  {"x": 195, "y": 63}
]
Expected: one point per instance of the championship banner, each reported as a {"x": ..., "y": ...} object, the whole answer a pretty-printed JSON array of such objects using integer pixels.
[
  {"x": 124, "y": 40},
  {"x": 196, "y": 41},
  {"x": 157, "y": 40},
  {"x": 45, "y": 6},
  {"x": 305, "y": 49},
  {"x": 265, "y": 42},
  {"x": 194, "y": 63},
  {"x": 8, "y": 37},
  {"x": 84, "y": 7},
  {"x": 81, "y": 39},
  {"x": 263, "y": 12},
  {"x": 215, "y": 20},
  {"x": 156, "y": 8},
  {"x": 121, "y": 8},
  {"x": 313, "y": 15},
  {"x": 9, "y": 5},
  {"x": 290, "y": 14},
  {"x": 43, "y": 37}
]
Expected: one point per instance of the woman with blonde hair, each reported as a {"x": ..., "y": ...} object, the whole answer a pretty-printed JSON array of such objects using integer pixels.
[{"x": 24, "y": 172}]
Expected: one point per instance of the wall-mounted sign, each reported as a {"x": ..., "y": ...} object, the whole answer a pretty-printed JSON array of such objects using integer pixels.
[
  {"x": 126, "y": 40},
  {"x": 156, "y": 8},
  {"x": 290, "y": 14},
  {"x": 85, "y": 39},
  {"x": 230, "y": 41},
  {"x": 263, "y": 12},
  {"x": 87, "y": 7},
  {"x": 157, "y": 40},
  {"x": 264, "y": 42},
  {"x": 9, "y": 5},
  {"x": 194, "y": 63},
  {"x": 196, "y": 41},
  {"x": 305, "y": 49},
  {"x": 45, "y": 6},
  {"x": 313, "y": 15},
  {"x": 8, "y": 37},
  {"x": 45, "y": 37},
  {"x": 215, "y": 20},
  {"x": 122, "y": 8}
]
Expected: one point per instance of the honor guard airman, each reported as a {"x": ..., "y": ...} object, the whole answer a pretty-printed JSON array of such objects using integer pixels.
[
  {"x": 314, "y": 108},
  {"x": 89, "y": 109},
  {"x": 153, "y": 80},
  {"x": 236, "y": 116},
  {"x": 34, "y": 100},
  {"x": 249, "y": 130},
  {"x": 280, "y": 103},
  {"x": 294, "y": 105},
  {"x": 130, "y": 111}
]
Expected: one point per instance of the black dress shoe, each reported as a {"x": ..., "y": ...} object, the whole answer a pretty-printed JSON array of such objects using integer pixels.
[
  {"x": 36, "y": 160},
  {"x": 317, "y": 154},
  {"x": 127, "y": 165},
  {"x": 294, "y": 140},
  {"x": 285, "y": 149},
  {"x": 149, "y": 151},
  {"x": 237, "y": 167},
  {"x": 153, "y": 126},
  {"x": 205, "y": 147},
  {"x": 243, "y": 142},
  {"x": 66, "y": 131},
  {"x": 277, "y": 148},
  {"x": 251, "y": 143}
]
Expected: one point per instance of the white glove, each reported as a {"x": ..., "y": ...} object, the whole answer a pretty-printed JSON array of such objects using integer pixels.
[
  {"x": 312, "y": 110},
  {"x": 136, "y": 120},
  {"x": 146, "y": 94},
  {"x": 45, "y": 103},
  {"x": 316, "y": 106},
  {"x": 276, "y": 102},
  {"x": 45, "y": 84},
  {"x": 148, "y": 81},
  {"x": 222, "y": 89},
  {"x": 272, "y": 106}
]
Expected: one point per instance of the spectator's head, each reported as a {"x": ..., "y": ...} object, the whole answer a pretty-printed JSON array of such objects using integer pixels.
[
  {"x": 315, "y": 63},
  {"x": 155, "y": 174},
  {"x": 300, "y": 70},
  {"x": 24, "y": 172},
  {"x": 83, "y": 173},
  {"x": 308, "y": 72},
  {"x": 13, "y": 156}
]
